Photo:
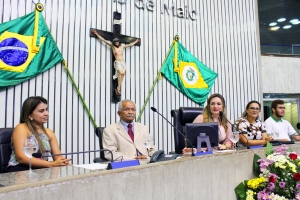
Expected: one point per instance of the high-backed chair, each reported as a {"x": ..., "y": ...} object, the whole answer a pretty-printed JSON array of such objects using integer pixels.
[
  {"x": 180, "y": 117},
  {"x": 5, "y": 148},
  {"x": 99, "y": 132}
]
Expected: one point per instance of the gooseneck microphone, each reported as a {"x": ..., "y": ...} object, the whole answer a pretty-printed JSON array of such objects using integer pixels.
[
  {"x": 221, "y": 115},
  {"x": 39, "y": 155},
  {"x": 298, "y": 125},
  {"x": 154, "y": 110}
]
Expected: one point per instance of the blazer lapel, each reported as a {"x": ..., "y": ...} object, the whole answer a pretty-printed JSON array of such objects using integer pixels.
[
  {"x": 123, "y": 132},
  {"x": 137, "y": 131}
]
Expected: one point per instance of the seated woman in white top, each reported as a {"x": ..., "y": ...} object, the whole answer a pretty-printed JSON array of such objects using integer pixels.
[
  {"x": 211, "y": 113},
  {"x": 34, "y": 115}
]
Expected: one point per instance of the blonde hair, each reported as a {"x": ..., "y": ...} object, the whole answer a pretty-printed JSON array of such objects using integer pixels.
[{"x": 207, "y": 115}]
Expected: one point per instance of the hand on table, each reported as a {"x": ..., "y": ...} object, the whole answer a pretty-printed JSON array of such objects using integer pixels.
[
  {"x": 222, "y": 147},
  {"x": 62, "y": 162},
  {"x": 141, "y": 157}
]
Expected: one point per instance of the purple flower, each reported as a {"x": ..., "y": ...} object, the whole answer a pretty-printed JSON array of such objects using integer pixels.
[
  {"x": 262, "y": 195},
  {"x": 273, "y": 175},
  {"x": 298, "y": 186},
  {"x": 282, "y": 184},
  {"x": 297, "y": 196},
  {"x": 281, "y": 149},
  {"x": 271, "y": 186},
  {"x": 264, "y": 164}
]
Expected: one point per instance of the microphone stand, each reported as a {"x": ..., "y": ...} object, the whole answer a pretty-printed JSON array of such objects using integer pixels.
[
  {"x": 154, "y": 110},
  {"x": 246, "y": 139},
  {"x": 39, "y": 155}
]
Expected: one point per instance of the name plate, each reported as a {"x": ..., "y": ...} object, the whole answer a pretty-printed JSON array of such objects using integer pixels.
[
  {"x": 127, "y": 163},
  {"x": 256, "y": 147},
  {"x": 203, "y": 153}
]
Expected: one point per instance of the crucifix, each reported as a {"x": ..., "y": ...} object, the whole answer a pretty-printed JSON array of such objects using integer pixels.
[{"x": 114, "y": 40}]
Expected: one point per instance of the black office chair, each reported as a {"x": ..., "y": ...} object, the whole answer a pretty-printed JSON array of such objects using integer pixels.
[
  {"x": 180, "y": 117},
  {"x": 99, "y": 132},
  {"x": 5, "y": 148}
]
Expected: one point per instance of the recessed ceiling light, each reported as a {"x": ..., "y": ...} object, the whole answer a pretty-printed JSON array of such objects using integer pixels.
[
  {"x": 294, "y": 20},
  {"x": 281, "y": 19},
  {"x": 275, "y": 28},
  {"x": 273, "y": 24},
  {"x": 287, "y": 26}
]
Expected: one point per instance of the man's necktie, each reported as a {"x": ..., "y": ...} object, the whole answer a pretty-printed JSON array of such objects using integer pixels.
[{"x": 130, "y": 132}]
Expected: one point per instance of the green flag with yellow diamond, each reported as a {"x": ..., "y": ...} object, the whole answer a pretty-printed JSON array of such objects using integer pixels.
[
  {"x": 188, "y": 74},
  {"x": 26, "y": 49}
]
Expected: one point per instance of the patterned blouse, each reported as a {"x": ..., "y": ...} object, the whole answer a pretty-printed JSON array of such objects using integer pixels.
[
  {"x": 45, "y": 140},
  {"x": 254, "y": 131}
]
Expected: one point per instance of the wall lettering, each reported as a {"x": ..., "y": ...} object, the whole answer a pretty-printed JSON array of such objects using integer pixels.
[{"x": 180, "y": 12}]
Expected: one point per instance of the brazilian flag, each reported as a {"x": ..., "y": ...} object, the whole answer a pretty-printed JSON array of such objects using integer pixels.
[
  {"x": 26, "y": 49},
  {"x": 188, "y": 74}
]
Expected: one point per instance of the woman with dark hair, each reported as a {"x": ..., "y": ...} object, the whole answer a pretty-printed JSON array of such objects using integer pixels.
[
  {"x": 34, "y": 115},
  {"x": 211, "y": 113},
  {"x": 253, "y": 131}
]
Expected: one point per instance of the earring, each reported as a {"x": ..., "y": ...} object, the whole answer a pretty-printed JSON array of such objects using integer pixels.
[{"x": 30, "y": 118}]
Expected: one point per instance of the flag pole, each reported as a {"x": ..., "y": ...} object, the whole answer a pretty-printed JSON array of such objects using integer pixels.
[
  {"x": 176, "y": 38},
  {"x": 79, "y": 94}
]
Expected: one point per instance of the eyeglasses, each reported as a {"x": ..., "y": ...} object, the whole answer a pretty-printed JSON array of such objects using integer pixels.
[{"x": 253, "y": 108}]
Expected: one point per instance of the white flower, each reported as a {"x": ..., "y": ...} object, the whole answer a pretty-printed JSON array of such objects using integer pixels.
[
  {"x": 276, "y": 197},
  {"x": 270, "y": 157},
  {"x": 281, "y": 159}
]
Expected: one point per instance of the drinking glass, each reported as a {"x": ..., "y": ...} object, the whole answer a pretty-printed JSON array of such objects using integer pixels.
[
  {"x": 149, "y": 143},
  {"x": 30, "y": 146},
  {"x": 234, "y": 137}
]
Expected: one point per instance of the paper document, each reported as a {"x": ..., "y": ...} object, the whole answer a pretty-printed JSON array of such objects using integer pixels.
[
  {"x": 93, "y": 166},
  {"x": 223, "y": 151}
]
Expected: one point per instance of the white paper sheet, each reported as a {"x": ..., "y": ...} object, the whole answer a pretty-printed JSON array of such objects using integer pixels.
[
  {"x": 226, "y": 150},
  {"x": 92, "y": 166}
]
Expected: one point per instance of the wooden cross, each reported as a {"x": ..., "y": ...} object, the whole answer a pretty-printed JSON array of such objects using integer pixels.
[{"x": 123, "y": 39}]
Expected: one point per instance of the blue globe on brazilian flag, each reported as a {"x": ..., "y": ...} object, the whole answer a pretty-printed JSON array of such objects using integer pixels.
[
  {"x": 188, "y": 74},
  {"x": 26, "y": 49}
]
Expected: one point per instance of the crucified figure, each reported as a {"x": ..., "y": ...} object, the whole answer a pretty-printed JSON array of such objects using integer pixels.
[{"x": 119, "y": 63}]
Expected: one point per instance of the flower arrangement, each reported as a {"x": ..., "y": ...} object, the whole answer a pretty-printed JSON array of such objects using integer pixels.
[{"x": 278, "y": 176}]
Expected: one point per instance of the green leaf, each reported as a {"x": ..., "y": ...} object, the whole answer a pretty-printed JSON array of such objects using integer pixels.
[
  {"x": 256, "y": 167},
  {"x": 240, "y": 191},
  {"x": 269, "y": 149}
]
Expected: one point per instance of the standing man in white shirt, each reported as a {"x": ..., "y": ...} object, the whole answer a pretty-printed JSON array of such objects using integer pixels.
[{"x": 275, "y": 123}]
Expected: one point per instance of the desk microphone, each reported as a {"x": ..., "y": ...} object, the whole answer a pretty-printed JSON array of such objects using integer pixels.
[
  {"x": 39, "y": 155},
  {"x": 298, "y": 125},
  {"x": 154, "y": 110},
  {"x": 221, "y": 115}
]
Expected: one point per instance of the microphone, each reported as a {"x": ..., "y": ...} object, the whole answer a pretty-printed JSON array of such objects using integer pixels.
[
  {"x": 154, "y": 110},
  {"x": 221, "y": 115},
  {"x": 298, "y": 125},
  {"x": 39, "y": 155}
]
